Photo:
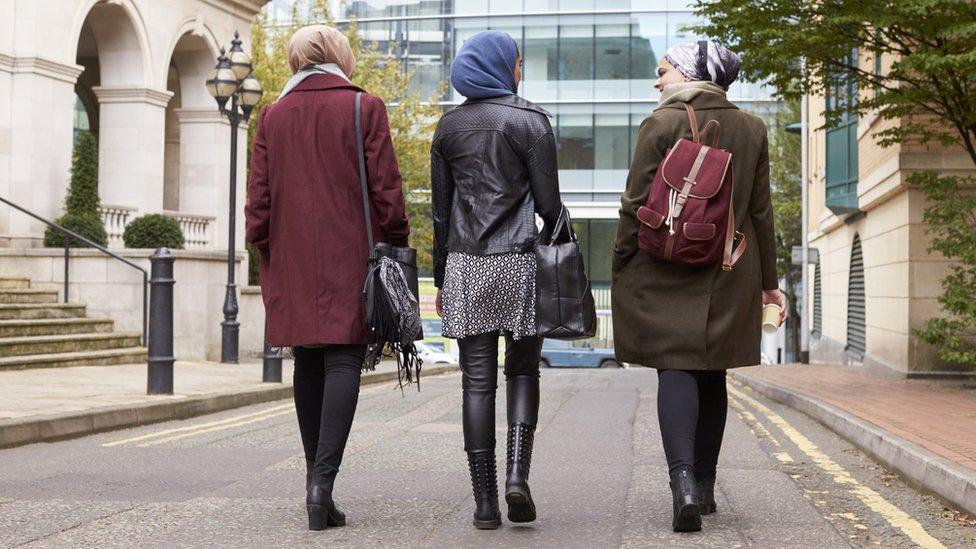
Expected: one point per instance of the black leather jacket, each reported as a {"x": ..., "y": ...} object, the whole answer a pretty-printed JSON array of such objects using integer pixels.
[{"x": 493, "y": 166}]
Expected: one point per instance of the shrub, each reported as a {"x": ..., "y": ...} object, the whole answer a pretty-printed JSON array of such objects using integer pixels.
[
  {"x": 82, "y": 195},
  {"x": 153, "y": 231},
  {"x": 87, "y": 225},
  {"x": 81, "y": 203}
]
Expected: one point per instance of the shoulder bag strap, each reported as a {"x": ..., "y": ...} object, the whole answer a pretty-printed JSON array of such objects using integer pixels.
[{"x": 362, "y": 176}]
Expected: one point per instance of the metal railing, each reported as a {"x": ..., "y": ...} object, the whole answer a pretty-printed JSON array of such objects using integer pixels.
[{"x": 69, "y": 234}]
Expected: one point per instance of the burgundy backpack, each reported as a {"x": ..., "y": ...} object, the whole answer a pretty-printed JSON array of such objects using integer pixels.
[{"x": 688, "y": 216}]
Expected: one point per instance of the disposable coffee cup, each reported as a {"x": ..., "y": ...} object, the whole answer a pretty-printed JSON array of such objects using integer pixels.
[{"x": 771, "y": 318}]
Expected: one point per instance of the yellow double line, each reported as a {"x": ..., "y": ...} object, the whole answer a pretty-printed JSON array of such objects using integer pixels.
[
  {"x": 178, "y": 433},
  {"x": 873, "y": 500},
  {"x": 169, "y": 435}
]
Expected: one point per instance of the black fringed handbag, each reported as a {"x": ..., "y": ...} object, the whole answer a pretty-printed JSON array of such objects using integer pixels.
[{"x": 390, "y": 292}]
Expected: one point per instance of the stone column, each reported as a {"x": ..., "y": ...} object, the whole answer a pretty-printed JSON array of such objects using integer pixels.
[
  {"x": 131, "y": 146},
  {"x": 205, "y": 170},
  {"x": 36, "y": 109}
]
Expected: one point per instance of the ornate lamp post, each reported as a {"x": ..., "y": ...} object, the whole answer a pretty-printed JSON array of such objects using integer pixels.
[{"x": 232, "y": 80}]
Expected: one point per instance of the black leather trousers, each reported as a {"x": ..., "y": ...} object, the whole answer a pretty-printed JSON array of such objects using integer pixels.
[{"x": 479, "y": 368}]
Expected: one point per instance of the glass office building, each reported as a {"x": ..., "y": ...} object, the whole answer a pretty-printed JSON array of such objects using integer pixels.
[{"x": 591, "y": 63}]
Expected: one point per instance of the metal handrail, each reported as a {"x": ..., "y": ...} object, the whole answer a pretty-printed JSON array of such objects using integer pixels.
[{"x": 76, "y": 236}]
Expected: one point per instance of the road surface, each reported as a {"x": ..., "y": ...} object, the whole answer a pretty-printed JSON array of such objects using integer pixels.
[{"x": 599, "y": 479}]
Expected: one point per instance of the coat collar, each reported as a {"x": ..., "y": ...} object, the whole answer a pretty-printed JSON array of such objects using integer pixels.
[
  {"x": 700, "y": 95},
  {"x": 510, "y": 101},
  {"x": 325, "y": 82}
]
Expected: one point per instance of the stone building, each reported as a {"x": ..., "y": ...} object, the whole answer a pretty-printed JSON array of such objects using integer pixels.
[
  {"x": 133, "y": 73},
  {"x": 876, "y": 283}
]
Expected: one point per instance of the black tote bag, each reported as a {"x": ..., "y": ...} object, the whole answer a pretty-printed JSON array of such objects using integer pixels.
[{"x": 564, "y": 302}]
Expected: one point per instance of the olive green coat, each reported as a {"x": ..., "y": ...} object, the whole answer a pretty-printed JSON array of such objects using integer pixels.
[{"x": 675, "y": 317}]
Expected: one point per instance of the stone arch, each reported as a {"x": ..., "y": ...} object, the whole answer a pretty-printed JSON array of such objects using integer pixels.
[
  {"x": 191, "y": 57},
  {"x": 120, "y": 40}
]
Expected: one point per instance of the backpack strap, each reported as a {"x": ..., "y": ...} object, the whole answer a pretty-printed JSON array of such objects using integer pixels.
[
  {"x": 731, "y": 256},
  {"x": 693, "y": 120}
]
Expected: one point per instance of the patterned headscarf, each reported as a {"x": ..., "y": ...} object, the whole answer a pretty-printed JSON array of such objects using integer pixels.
[{"x": 705, "y": 60}]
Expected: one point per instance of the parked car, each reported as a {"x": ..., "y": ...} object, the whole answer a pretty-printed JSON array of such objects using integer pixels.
[
  {"x": 569, "y": 354},
  {"x": 430, "y": 355}
]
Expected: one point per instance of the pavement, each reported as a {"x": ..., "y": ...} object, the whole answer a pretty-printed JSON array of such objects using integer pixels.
[
  {"x": 56, "y": 403},
  {"x": 923, "y": 429},
  {"x": 236, "y": 478}
]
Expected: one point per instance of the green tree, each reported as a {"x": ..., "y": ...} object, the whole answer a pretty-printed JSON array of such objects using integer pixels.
[
  {"x": 784, "y": 180},
  {"x": 82, "y": 202},
  {"x": 914, "y": 62},
  {"x": 412, "y": 118}
]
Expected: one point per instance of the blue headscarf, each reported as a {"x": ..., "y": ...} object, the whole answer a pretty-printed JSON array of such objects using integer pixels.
[{"x": 485, "y": 66}]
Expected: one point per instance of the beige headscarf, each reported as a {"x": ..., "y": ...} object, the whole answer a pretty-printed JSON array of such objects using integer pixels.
[{"x": 317, "y": 44}]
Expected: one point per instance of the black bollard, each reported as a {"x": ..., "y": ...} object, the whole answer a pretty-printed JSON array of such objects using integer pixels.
[
  {"x": 161, "y": 323},
  {"x": 272, "y": 360}
]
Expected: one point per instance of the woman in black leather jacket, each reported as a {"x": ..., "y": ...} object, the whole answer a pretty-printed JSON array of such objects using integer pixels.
[{"x": 493, "y": 167}]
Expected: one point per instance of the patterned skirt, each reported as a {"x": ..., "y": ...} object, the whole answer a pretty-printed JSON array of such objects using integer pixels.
[{"x": 485, "y": 293}]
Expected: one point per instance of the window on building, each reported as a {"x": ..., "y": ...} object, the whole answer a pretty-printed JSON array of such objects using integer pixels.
[
  {"x": 574, "y": 143},
  {"x": 856, "y": 343},
  {"x": 612, "y": 52},
  {"x": 81, "y": 122},
  {"x": 841, "y": 146},
  {"x": 612, "y": 141},
  {"x": 540, "y": 53},
  {"x": 596, "y": 245},
  {"x": 575, "y": 52}
]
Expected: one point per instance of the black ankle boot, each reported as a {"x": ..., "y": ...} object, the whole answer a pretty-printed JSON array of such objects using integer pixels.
[
  {"x": 706, "y": 495},
  {"x": 684, "y": 497},
  {"x": 322, "y": 512},
  {"x": 484, "y": 483},
  {"x": 521, "y": 508}
]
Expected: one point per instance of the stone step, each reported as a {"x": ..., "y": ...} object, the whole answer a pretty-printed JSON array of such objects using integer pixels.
[
  {"x": 128, "y": 355},
  {"x": 71, "y": 343},
  {"x": 24, "y": 311},
  {"x": 53, "y": 326},
  {"x": 14, "y": 283},
  {"x": 21, "y": 295}
]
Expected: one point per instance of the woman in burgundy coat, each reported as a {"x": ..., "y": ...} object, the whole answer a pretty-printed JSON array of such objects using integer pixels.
[{"x": 305, "y": 216}]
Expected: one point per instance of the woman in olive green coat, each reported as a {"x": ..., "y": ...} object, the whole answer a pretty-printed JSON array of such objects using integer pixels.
[{"x": 693, "y": 323}]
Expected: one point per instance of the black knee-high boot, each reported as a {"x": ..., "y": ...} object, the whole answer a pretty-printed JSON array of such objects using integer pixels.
[
  {"x": 522, "y": 385},
  {"x": 479, "y": 368}
]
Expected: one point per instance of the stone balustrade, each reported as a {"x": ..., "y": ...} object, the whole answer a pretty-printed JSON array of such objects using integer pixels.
[
  {"x": 196, "y": 229},
  {"x": 115, "y": 218}
]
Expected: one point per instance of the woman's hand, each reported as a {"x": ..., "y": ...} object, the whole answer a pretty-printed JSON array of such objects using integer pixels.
[
  {"x": 776, "y": 297},
  {"x": 439, "y": 303}
]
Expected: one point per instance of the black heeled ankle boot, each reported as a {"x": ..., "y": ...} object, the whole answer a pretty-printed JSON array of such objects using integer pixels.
[
  {"x": 322, "y": 512},
  {"x": 684, "y": 497},
  {"x": 484, "y": 483},
  {"x": 706, "y": 495},
  {"x": 521, "y": 508}
]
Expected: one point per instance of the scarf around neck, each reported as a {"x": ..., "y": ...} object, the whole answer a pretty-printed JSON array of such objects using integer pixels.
[{"x": 300, "y": 76}]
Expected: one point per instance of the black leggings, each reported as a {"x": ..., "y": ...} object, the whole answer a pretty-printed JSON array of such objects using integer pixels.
[
  {"x": 691, "y": 408},
  {"x": 326, "y": 394}
]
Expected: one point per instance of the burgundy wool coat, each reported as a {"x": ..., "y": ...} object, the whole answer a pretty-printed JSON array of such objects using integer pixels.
[{"x": 305, "y": 210}]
